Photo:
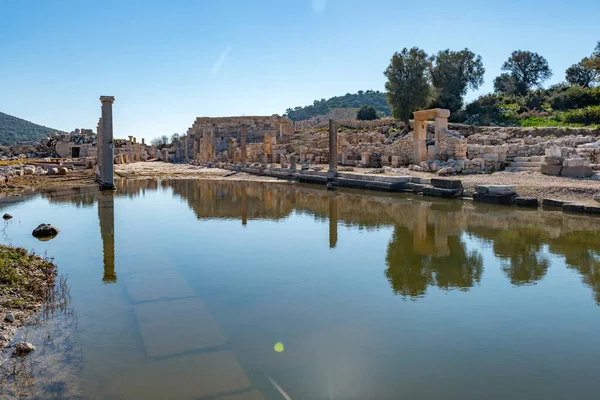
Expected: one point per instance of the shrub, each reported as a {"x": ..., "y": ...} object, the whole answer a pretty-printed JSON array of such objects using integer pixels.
[
  {"x": 586, "y": 116},
  {"x": 575, "y": 97},
  {"x": 366, "y": 113}
]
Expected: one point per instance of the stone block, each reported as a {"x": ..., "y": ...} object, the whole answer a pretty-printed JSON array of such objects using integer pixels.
[
  {"x": 505, "y": 199},
  {"x": 553, "y": 203},
  {"x": 502, "y": 189},
  {"x": 597, "y": 197},
  {"x": 526, "y": 201},
  {"x": 481, "y": 189},
  {"x": 551, "y": 169},
  {"x": 591, "y": 210},
  {"x": 442, "y": 192},
  {"x": 553, "y": 160},
  {"x": 576, "y": 172},
  {"x": 446, "y": 183}
]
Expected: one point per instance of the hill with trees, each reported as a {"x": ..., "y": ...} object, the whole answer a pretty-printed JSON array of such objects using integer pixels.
[
  {"x": 373, "y": 98},
  {"x": 14, "y": 130}
]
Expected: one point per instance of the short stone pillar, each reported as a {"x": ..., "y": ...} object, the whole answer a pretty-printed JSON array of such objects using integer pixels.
[
  {"x": 244, "y": 131},
  {"x": 134, "y": 140},
  {"x": 143, "y": 142},
  {"x": 165, "y": 155},
  {"x": 107, "y": 171},
  {"x": 293, "y": 160},
  {"x": 365, "y": 159},
  {"x": 333, "y": 158},
  {"x": 230, "y": 149},
  {"x": 441, "y": 125},
  {"x": 419, "y": 141},
  {"x": 195, "y": 150},
  {"x": 212, "y": 147},
  {"x": 268, "y": 147}
]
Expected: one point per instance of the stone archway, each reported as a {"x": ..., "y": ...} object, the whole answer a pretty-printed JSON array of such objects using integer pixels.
[{"x": 420, "y": 131}]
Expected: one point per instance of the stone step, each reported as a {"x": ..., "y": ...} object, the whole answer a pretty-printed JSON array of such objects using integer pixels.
[
  {"x": 529, "y": 159},
  {"x": 521, "y": 169},
  {"x": 526, "y": 164}
]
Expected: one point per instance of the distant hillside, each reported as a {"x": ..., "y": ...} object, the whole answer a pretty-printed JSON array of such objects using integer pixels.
[
  {"x": 373, "y": 98},
  {"x": 13, "y": 130}
]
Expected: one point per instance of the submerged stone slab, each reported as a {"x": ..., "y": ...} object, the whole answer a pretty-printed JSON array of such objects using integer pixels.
[
  {"x": 502, "y": 189},
  {"x": 441, "y": 192},
  {"x": 574, "y": 208},
  {"x": 157, "y": 285},
  {"x": 195, "y": 328},
  {"x": 197, "y": 376},
  {"x": 446, "y": 183},
  {"x": 526, "y": 201}
]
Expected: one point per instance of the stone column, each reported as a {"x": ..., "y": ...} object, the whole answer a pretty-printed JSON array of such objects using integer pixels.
[
  {"x": 99, "y": 151},
  {"x": 108, "y": 149},
  {"x": 195, "y": 149},
  {"x": 268, "y": 149},
  {"x": 186, "y": 156},
  {"x": 213, "y": 146},
  {"x": 143, "y": 142},
  {"x": 280, "y": 131},
  {"x": 230, "y": 144},
  {"x": 293, "y": 159},
  {"x": 106, "y": 215},
  {"x": 243, "y": 133},
  {"x": 333, "y": 158},
  {"x": 419, "y": 141},
  {"x": 202, "y": 155}
]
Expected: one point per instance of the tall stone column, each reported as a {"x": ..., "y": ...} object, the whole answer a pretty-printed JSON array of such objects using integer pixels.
[
  {"x": 333, "y": 157},
  {"x": 243, "y": 133},
  {"x": 419, "y": 141},
  {"x": 213, "y": 146},
  {"x": 202, "y": 156},
  {"x": 99, "y": 151},
  {"x": 106, "y": 215},
  {"x": 108, "y": 148},
  {"x": 185, "y": 149}
]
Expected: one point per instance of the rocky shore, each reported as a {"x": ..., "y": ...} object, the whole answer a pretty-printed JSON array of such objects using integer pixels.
[{"x": 26, "y": 282}]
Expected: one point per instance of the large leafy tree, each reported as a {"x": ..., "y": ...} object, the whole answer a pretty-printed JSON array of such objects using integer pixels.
[
  {"x": 525, "y": 71},
  {"x": 407, "y": 83},
  {"x": 452, "y": 74}
]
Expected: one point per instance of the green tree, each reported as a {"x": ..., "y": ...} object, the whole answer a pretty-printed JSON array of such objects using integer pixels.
[
  {"x": 366, "y": 113},
  {"x": 527, "y": 70},
  {"x": 452, "y": 74},
  {"x": 407, "y": 85},
  {"x": 581, "y": 75},
  {"x": 175, "y": 137},
  {"x": 160, "y": 142}
]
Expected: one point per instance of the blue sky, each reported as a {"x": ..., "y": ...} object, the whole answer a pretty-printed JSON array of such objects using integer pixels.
[{"x": 168, "y": 62}]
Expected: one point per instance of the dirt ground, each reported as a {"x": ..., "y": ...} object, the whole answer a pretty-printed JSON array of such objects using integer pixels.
[{"x": 153, "y": 169}]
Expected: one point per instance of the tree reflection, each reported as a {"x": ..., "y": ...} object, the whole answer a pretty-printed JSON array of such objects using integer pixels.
[
  {"x": 522, "y": 248},
  {"x": 410, "y": 271}
]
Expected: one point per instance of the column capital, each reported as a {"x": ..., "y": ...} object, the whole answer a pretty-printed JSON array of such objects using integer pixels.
[{"x": 107, "y": 98}]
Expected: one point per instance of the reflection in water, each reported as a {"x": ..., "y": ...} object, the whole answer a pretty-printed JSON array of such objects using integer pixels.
[
  {"x": 427, "y": 247},
  {"x": 106, "y": 214}
]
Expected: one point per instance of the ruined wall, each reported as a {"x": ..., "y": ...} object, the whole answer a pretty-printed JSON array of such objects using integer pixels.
[{"x": 229, "y": 127}]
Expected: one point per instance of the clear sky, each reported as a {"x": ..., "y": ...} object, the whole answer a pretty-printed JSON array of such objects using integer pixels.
[{"x": 168, "y": 62}]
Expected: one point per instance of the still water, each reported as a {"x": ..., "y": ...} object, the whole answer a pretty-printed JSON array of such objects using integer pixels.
[{"x": 238, "y": 290}]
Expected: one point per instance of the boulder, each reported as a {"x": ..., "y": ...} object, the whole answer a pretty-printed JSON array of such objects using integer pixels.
[
  {"x": 9, "y": 318},
  {"x": 553, "y": 160},
  {"x": 24, "y": 348},
  {"x": 45, "y": 231},
  {"x": 7, "y": 216},
  {"x": 62, "y": 170}
]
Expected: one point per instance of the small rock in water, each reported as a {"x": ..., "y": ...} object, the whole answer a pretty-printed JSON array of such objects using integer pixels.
[
  {"x": 24, "y": 348},
  {"x": 9, "y": 318},
  {"x": 7, "y": 216},
  {"x": 45, "y": 231}
]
